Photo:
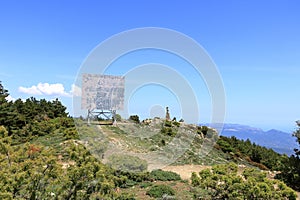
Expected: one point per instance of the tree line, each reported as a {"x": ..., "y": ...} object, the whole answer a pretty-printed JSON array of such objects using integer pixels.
[{"x": 24, "y": 119}]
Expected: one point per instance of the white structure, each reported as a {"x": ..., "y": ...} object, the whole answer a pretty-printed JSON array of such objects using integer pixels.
[{"x": 102, "y": 95}]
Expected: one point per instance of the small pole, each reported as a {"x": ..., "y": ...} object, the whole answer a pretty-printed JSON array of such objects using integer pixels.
[
  {"x": 114, "y": 117},
  {"x": 88, "y": 117}
]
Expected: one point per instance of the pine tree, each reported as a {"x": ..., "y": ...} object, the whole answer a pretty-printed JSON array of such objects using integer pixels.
[
  {"x": 6, "y": 114},
  {"x": 290, "y": 173},
  {"x": 3, "y": 94}
]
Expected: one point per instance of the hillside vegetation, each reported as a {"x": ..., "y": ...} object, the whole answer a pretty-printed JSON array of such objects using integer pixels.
[{"x": 45, "y": 156}]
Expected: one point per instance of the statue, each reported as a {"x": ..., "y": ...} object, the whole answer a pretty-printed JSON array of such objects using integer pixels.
[{"x": 167, "y": 114}]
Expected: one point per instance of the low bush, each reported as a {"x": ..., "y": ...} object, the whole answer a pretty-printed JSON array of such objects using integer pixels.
[
  {"x": 161, "y": 175},
  {"x": 168, "y": 131},
  {"x": 134, "y": 118},
  {"x": 175, "y": 123},
  {"x": 158, "y": 191}
]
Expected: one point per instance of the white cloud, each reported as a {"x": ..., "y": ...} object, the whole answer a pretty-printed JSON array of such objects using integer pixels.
[
  {"x": 45, "y": 89},
  {"x": 10, "y": 98},
  {"x": 32, "y": 90}
]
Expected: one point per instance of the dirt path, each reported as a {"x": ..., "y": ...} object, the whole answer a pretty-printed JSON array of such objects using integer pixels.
[{"x": 185, "y": 171}]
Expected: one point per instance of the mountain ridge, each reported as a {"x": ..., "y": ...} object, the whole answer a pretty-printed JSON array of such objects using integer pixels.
[{"x": 280, "y": 141}]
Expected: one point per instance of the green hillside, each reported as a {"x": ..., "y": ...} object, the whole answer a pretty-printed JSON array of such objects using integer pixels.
[{"x": 46, "y": 154}]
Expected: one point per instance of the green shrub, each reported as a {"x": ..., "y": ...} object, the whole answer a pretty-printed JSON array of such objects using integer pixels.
[
  {"x": 118, "y": 117},
  {"x": 126, "y": 196},
  {"x": 161, "y": 175},
  {"x": 134, "y": 176},
  {"x": 6, "y": 195},
  {"x": 204, "y": 130},
  {"x": 175, "y": 123},
  {"x": 225, "y": 146},
  {"x": 168, "y": 131},
  {"x": 199, "y": 130},
  {"x": 129, "y": 183},
  {"x": 3, "y": 132},
  {"x": 158, "y": 191},
  {"x": 225, "y": 169},
  {"x": 204, "y": 174},
  {"x": 254, "y": 174},
  {"x": 195, "y": 179},
  {"x": 223, "y": 182},
  {"x": 135, "y": 118},
  {"x": 168, "y": 124},
  {"x": 71, "y": 133}
]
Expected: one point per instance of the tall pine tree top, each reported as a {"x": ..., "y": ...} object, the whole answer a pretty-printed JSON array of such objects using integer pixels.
[{"x": 3, "y": 94}]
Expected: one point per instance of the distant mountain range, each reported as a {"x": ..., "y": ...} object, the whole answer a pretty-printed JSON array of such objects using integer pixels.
[{"x": 279, "y": 141}]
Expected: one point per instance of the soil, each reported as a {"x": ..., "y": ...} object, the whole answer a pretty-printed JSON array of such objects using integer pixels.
[{"x": 185, "y": 171}]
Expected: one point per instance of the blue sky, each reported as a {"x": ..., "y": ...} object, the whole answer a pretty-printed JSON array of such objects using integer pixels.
[{"x": 255, "y": 45}]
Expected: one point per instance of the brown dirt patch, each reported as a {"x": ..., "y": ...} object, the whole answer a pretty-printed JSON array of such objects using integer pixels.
[{"x": 185, "y": 171}]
